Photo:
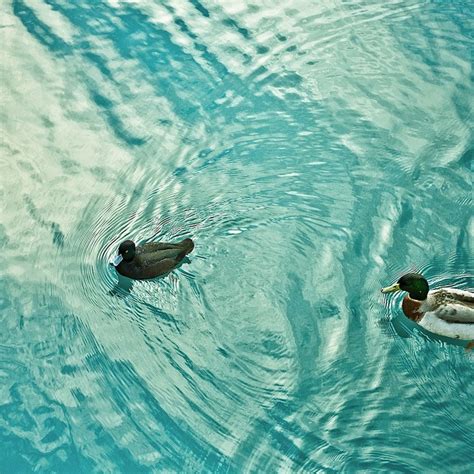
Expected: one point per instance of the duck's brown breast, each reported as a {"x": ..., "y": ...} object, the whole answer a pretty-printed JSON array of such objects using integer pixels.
[{"x": 411, "y": 308}]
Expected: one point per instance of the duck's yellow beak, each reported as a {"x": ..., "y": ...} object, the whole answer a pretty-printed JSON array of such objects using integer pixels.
[{"x": 391, "y": 289}]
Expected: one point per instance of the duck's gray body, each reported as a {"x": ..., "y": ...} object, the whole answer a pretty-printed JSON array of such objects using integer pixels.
[{"x": 153, "y": 259}]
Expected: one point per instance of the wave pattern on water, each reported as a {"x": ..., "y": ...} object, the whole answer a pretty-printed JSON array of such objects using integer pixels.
[{"x": 314, "y": 152}]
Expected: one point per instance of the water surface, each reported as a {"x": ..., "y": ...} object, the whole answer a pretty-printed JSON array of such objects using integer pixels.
[{"x": 315, "y": 151}]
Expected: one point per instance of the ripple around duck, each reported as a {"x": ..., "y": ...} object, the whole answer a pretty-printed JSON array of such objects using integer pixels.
[{"x": 439, "y": 382}]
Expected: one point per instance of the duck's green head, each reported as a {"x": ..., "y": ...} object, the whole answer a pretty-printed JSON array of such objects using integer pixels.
[
  {"x": 414, "y": 284},
  {"x": 126, "y": 252}
]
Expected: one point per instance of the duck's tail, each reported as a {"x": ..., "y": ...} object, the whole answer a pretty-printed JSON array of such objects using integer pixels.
[{"x": 188, "y": 246}]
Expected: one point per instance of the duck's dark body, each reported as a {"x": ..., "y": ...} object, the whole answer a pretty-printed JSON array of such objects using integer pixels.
[{"x": 154, "y": 259}]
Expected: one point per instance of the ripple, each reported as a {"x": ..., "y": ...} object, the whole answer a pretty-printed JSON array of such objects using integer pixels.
[{"x": 314, "y": 154}]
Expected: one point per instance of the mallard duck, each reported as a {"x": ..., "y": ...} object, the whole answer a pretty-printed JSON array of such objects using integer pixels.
[
  {"x": 446, "y": 311},
  {"x": 150, "y": 260}
]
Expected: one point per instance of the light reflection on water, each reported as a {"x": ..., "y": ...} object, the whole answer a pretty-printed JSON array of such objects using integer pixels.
[{"x": 314, "y": 152}]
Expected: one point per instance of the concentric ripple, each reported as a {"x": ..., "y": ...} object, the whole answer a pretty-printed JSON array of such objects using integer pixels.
[{"x": 314, "y": 151}]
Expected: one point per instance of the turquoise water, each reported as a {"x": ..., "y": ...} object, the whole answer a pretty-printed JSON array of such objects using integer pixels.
[{"x": 315, "y": 151}]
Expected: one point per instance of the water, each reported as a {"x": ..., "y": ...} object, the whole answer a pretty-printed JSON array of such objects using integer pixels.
[{"x": 314, "y": 151}]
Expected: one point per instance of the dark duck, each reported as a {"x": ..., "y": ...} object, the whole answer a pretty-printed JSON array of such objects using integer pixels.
[{"x": 150, "y": 260}]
